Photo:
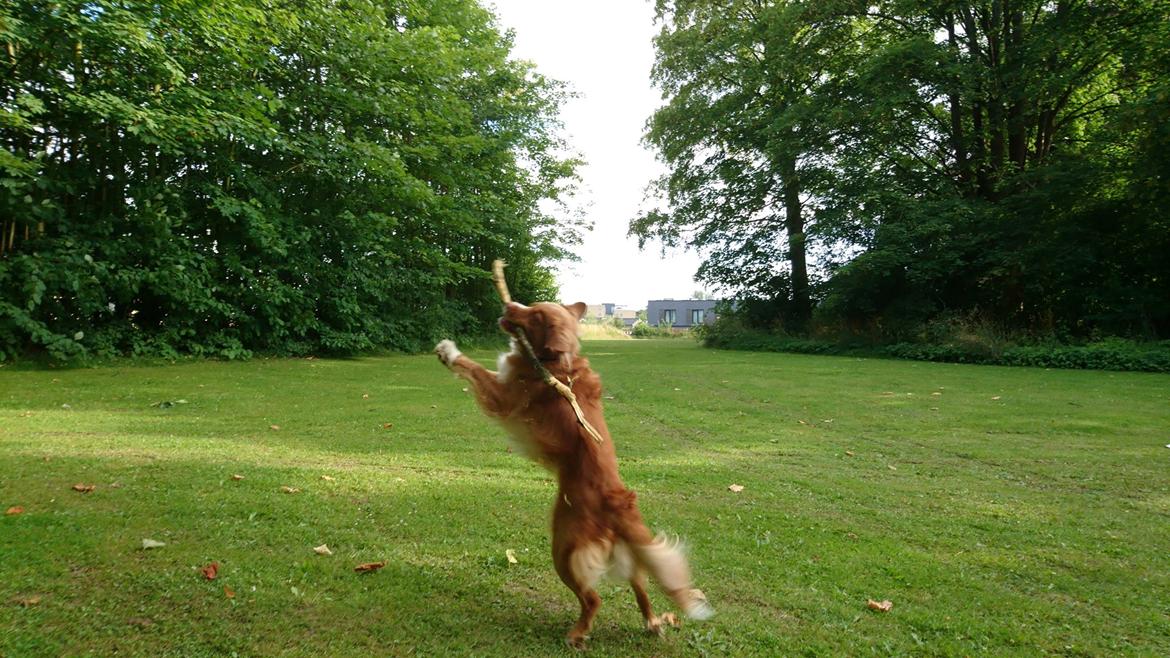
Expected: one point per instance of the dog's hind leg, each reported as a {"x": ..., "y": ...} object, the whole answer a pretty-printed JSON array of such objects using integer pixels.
[
  {"x": 654, "y": 623},
  {"x": 580, "y": 567}
]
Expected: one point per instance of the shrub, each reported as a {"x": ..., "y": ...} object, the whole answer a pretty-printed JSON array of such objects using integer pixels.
[{"x": 1105, "y": 354}]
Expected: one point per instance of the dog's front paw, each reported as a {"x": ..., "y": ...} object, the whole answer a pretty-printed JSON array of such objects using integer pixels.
[{"x": 447, "y": 352}]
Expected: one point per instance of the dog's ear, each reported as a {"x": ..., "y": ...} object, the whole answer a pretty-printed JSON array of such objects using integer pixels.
[{"x": 578, "y": 309}]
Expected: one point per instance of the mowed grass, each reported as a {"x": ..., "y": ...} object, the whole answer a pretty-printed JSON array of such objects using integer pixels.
[{"x": 1002, "y": 511}]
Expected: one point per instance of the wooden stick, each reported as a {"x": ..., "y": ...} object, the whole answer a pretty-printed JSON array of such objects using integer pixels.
[{"x": 533, "y": 360}]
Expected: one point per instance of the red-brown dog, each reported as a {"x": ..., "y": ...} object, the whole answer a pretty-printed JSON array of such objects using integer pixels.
[{"x": 597, "y": 528}]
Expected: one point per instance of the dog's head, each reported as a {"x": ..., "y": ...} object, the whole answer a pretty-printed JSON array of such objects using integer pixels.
[{"x": 551, "y": 328}]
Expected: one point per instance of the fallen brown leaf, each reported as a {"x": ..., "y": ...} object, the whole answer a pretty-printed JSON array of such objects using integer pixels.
[
  {"x": 210, "y": 571},
  {"x": 287, "y": 489},
  {"x": 849, "y": 453},
  {"x": 387, "y": 426},
  {"x": 735, "y": 488},
  {"x": 237, "y": 477},
  {"x": 84, "y": 488},
  {"x": 28, "y": 601},
  {"x": 328, "y": 478},
  {"x": 14, "y": 510},
  {"x": 229, "y": 592},
  {"x": 880, "y": 606},
  {"x": 323, "y": 549},
  {"x": 274, "y": 427},
  {"x": 369, "y": 567}
]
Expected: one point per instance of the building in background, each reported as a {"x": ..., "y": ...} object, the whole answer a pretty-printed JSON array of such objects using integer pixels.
[
  {"x": 680, "y": 313},
  {"x": 608, "y": 312}
]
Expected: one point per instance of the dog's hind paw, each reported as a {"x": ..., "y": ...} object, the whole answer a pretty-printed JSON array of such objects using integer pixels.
[
  {"x": 576, "y": 642},
  {"x": 656, "y": 625}
]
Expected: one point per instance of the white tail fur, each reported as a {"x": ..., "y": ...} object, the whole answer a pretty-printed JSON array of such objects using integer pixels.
[{"x": 666, "y": 563}]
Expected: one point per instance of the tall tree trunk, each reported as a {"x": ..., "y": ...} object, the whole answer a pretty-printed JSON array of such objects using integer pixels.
[
  {"x": 978, "y": 103},
  {"x": 958, "y": 141},
  {"x": 797, "y": 256},
  {"x": 1017, "y": 122}
]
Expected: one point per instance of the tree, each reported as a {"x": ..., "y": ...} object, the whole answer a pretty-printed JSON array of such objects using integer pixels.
[
  {"x": 970, "y": 160},
  {"x": 249, "y": 175},
  {"x": 742, "y": 142}
]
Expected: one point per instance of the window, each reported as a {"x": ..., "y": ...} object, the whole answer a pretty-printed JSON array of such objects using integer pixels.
[
  {"x": 697, "y": 315},
  {"x": 667, "y": 317}
]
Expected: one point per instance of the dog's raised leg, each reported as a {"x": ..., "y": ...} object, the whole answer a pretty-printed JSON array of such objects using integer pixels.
[{"x": 489, "y": 392}]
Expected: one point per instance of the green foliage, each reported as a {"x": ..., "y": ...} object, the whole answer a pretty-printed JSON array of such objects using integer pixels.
[
  {"x": 1001, "y": 159},
  {"x": 219, "y": 178},
  {"x": 661, "y": 330},
  {"x": 1109, "y": 354}
]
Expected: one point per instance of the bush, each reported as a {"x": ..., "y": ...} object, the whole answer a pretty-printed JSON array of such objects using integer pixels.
[
  {"x": 1105, "y": 354},
  {"x": 644, "y": 330}
]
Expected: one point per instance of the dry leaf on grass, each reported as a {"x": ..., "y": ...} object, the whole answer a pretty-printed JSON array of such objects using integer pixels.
[
  {"x": 229, "y": 592},
  {"x": 511, "y": 555},
  {"x": 387, "y": 426},
  {"x": 28, "y": 601},
  {"x": 237, "y": 477},
  {"x": 849, "y": 453},
  {"x": 880, "y": 606},
  {"x": 210, "y": 571},
  {"x": 735, "y": 488},
  {"x": 84, "y": 488},
  {"x": 323, "y": 549},
  {"x": 936, "y": 393},
  {"x": 996, "y": 397},
  {"x": 287, "y": 489},
  {"x": 891, "y": 467},
  {"x": 148, "y": 544},
  {"x": 115, "y": 485},
  {"x": 274, "y": 427},
  {"x": 369, "y": 567},
  {"x": 365, "y": 396},
  {"x": 328, "y": 478},
  {"x": 14, "y": 510}
]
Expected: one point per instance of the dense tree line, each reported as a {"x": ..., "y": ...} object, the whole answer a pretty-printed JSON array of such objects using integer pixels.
[
  {"x": 891, "y": 168},
  {"x": 282, "y": 175}
]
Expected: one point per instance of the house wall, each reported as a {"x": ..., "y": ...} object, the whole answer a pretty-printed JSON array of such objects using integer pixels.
[{"x": 682, "y": 311}]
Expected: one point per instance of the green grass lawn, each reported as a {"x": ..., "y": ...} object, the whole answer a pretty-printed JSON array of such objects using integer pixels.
[{"x": 1003, "y": 511}]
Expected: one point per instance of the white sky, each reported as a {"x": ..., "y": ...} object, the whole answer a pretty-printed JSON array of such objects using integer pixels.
[{"x": 602, "y": 49}]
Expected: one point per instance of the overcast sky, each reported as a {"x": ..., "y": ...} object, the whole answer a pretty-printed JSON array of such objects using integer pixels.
[{"x": 602, "y": 49}]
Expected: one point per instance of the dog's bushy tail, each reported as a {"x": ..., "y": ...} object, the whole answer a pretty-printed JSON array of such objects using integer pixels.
[{"x": 659, "y": 556}]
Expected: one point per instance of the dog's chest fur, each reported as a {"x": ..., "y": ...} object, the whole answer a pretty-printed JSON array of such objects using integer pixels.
[{"x": 519, "y": 424}]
